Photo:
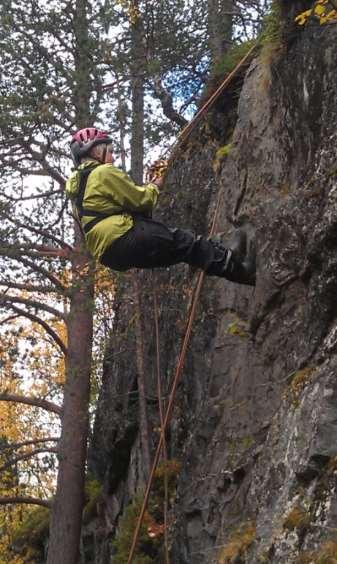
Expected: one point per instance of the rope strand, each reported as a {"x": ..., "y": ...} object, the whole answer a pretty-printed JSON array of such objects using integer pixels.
[
  {"x": 191, "y": 315},
  {"x": 161, "y": 415},
  {"x": 179, "y": 369}
]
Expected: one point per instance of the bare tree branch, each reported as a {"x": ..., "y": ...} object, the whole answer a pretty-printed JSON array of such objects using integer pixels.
[
  {"x": 14, "y": 446},
  {"x": 167, "y": 103},
  {"x": 19, "y": 250},
  {"x": 9, "y": 300},
  {"x": 33, "y": 197},
  {"x": 36, "y": 402},
  {"x": 7, "y": 500},
  {"x": 47, "y": 251},
  {"x": 37, "y": 231},
  {"x": 38, "y": 268},
  {"x": 45, "y": 326},
  {"x": 28, "y": 287},
  {"x": 26, "y": 456},
  {"x": 7, "y": 319},
  {"x": 40, "y": 158}
]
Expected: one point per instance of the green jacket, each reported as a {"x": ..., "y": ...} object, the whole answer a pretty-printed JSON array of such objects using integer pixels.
[{"x": 109, "y": 190}]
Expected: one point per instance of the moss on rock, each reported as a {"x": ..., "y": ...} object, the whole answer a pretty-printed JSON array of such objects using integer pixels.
[
  {"x": 93, "y": 491},
  {"x": 298, "y": 518},
  {"x": 326, "y": 553},
  {"x": 299, "y": 381},
  {"x": 220, "y": 154},
  {"x": 238, "y": 543},
  {"x": 149, "y": 546}
]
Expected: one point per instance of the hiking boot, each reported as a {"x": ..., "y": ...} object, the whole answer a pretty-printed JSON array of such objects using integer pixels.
[{"x": 236, "y": 260}]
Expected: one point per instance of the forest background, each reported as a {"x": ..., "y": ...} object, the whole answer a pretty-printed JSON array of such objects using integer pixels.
[{"x": 138, "y": 69}]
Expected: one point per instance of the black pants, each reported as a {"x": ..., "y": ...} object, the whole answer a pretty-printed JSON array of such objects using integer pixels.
[{"x": 150, "y": 244}]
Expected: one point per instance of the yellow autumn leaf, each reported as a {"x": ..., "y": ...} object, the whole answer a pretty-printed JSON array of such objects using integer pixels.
[
  {"x": 302, "y": 18},
  {"x": 319, "y": 9},
  {"x": 331, "y": 16}
]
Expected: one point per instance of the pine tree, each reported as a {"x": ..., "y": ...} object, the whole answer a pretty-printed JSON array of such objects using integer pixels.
[{"x": 51, "y": 85}]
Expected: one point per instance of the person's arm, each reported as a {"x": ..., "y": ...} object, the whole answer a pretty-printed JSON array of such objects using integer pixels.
[{"x": 124, "y": 192}]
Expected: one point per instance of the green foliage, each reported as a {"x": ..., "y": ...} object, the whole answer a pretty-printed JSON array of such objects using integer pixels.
[
  {"x": 169, "y": 471},
  {"x": 223, "y": 151},
  {"x": 271, "y": 29},
  {"x": 30, "y": 536},
  {"x": 220, "y": 155},
  {"x": 145, "y": 548},
  {"x": 149, "y": 546},
  {"x": 237, "y": 329},
  {"x": 271, "y": 35},
  {"x": 231, "y": 58},
  {"x": 93, "y": 491}
]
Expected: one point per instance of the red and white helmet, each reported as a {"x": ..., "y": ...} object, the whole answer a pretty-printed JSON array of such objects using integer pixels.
[{"x": 84, "y": 140}]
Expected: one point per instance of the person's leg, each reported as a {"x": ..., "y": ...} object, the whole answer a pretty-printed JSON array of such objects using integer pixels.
[
  {"x": 148, "y": 244},
  {"x": 151, "y": 244}
]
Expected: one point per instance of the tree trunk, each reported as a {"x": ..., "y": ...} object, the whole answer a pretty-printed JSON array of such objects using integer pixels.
[
  {"x": 66, "y": 519},
  {"x": 137, "y": 85},
  {"x": 220, "y": 28},
  {"x": 137, "y": 164},
  {"x": 141, "y": 384},
  {"x": 82, "y": 60},
  {"x": 121, "y": 117}
]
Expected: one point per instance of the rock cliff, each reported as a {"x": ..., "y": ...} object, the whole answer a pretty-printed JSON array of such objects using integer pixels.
[{"x": 255, "y": 419}]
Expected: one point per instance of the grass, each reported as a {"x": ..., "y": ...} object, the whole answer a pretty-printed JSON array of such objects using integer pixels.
[{"x": 238, "y": 543}]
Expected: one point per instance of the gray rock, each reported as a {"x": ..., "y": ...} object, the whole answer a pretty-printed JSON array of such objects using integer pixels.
[{"x": 255, "y": 418}]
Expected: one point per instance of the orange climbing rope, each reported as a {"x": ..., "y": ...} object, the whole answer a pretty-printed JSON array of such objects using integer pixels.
[
  {"x": 185, "y": 133},
  {"x": 161, "y": 414},
  {"x": 192, "y": 311},
  {"x": 159, "y": 168},
  {"x": 180, "y": 365}
]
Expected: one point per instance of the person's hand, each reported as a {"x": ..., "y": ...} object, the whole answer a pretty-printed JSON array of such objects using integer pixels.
[{"x": 156, "y": 172}]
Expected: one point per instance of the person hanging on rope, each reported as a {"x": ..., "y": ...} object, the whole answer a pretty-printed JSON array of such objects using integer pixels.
[{"x": 115, "y": 215}]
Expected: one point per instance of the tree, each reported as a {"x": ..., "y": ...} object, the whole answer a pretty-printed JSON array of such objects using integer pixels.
[
  {"x": 45, "y": 96},
  {"x": 220, "y": 27},
  {"x": 26, "y": 466}
]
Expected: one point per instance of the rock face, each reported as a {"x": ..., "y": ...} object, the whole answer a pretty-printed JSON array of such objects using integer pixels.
[{"x": 255, "y": 419}]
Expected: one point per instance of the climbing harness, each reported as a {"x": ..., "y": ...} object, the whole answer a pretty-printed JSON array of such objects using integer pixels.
[
  {"x": 83, "y": 212},
  {"x": 96, "y": 215}
]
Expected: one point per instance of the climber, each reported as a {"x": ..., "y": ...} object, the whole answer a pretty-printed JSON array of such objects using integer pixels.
[{"x": 115, "y": 215}]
